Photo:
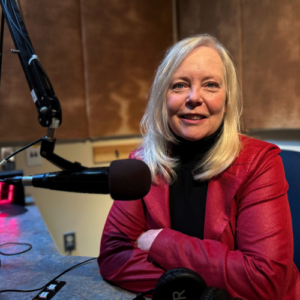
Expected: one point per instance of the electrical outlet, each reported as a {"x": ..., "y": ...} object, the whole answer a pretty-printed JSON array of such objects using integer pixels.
[
  {"x": 10, "y": 165},
  {"x": 33, "y": 156},
  {"x": 69, "y": 241}
]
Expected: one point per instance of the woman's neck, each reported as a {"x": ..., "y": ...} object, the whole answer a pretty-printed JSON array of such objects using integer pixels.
[{"x": 193, "y": 151}]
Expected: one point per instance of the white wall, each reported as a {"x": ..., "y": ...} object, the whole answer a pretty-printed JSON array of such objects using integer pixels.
[{"x": 62, "y": 212}]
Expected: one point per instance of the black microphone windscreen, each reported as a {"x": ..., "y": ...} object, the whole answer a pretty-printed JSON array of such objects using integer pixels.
[{"x": 129, "y": 179}]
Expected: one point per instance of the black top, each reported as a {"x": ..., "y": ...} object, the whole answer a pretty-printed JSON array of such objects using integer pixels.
[{"x": 187, "y": 197}]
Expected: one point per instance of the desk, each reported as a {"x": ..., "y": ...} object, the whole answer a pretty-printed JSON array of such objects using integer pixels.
[{"x": 43, "y": 262}]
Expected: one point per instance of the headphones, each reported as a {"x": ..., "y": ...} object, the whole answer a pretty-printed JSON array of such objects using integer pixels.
[{"x": 184, "y": 284}]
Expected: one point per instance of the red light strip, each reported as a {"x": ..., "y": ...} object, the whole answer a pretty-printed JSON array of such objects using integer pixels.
[
  {"x": 11, "y": 192},
  {"x": 1, "y": 184}
]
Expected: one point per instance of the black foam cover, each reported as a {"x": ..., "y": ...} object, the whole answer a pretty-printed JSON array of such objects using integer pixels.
[
  {"x": 179, "y": 283},
  {"x": 129, "y": 179}
]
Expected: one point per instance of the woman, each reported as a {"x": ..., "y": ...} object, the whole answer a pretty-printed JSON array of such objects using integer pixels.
[{"x": 218, "y": 202}]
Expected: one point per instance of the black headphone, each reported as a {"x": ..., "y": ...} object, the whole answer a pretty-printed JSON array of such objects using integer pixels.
[{"x": 184, "y": 284}]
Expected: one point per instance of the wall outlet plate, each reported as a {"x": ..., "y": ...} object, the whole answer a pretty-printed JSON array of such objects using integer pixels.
[
  {"x": 5, "y": 151},
  {"x": 69, "y": 241},
  {"x": 33, "y": 156},
  {"x": 10, "y": 165}
]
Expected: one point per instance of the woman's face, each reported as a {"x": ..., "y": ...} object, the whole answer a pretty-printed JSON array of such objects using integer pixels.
[{"x": 197, "y": 95}]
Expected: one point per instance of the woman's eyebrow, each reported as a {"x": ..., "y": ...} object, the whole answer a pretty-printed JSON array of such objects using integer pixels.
[
  {"x": 211, "y": 77},
  {"x": 181, "y": 77}
]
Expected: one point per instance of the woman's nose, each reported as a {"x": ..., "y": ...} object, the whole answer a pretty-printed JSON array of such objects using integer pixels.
[{"x": 194, "y": 98}]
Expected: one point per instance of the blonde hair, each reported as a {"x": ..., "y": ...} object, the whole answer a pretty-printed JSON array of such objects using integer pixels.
[{"x": 155, "y": 149}]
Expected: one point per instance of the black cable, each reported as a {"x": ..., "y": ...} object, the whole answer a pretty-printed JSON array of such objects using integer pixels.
[
  {"x": 10, "y": 254},
  {"x": 19, "y": 28},
  {"x": 13, "y": 23},
  {"x": 46, "y": 77},
  {"x": 16, "y": 152},
  {"x": 51, "y": 281}
]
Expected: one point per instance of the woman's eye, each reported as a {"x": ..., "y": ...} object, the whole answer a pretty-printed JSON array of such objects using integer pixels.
[
  {"x": 178, "y": 86},
  {"x": 212, "y": 85}
]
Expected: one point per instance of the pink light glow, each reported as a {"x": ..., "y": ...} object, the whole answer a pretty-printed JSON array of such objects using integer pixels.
[{"x": 10, "y": 227}]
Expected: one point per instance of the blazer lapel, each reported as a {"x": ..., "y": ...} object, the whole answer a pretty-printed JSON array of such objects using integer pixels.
[
  {"x": 157, "y": 202},
  {"x": 220, "y": 194}
]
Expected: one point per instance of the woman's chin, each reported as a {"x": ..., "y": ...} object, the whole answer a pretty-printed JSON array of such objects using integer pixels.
[{"x": 192, "y": 138}]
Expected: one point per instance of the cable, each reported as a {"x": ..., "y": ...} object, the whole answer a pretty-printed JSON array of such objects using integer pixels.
[
  {"x": 4, "y": 161},
  {"x": 74, "y": 267},
  {"x": 10, "y": 254},
  {"x": 19, "y": 29},
  {"x": 46, "y": 77},
  {"x": 13, "y": 23}
]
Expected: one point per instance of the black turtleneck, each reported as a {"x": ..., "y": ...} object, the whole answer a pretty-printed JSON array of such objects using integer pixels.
[{"x": 187, "y": 197}]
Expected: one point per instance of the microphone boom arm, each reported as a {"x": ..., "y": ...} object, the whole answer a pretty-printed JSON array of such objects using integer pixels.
[{"x": 46, "y": 102}]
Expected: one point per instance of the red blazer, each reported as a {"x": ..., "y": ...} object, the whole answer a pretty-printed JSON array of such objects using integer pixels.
[{"x": 248, "y": 241}]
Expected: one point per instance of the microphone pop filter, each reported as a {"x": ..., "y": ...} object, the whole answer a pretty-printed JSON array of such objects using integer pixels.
[{"x": 129, "y": 179}]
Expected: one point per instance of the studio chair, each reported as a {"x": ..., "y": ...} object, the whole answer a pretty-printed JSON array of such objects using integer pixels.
[{"x": 291, "y": 163}]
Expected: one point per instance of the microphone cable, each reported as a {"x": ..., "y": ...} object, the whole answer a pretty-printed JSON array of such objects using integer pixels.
[
  {"x": 18, "y": 27},
  {"x": 12, "y": 243}
]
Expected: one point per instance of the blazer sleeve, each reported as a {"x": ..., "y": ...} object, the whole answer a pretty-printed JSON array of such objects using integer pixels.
[
  {"x": 120, "y": 260},
  {"x": 261, "y": 266}
]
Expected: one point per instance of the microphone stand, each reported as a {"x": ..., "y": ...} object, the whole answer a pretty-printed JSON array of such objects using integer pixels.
[{"x": 47, "y": 104}]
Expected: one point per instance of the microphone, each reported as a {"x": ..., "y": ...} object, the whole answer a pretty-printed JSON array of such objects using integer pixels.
[{"x": 125, "y": 179}]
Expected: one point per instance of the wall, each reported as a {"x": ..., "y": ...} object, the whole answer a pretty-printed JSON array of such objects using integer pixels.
[
  {"x": 285, "y": 139},
  {"x": 100, "y": 56},
  {"x": 263, "y": 39}
]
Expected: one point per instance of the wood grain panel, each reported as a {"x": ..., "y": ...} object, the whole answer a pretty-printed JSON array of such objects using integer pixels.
[
  {"x": 124, "y": 42},
  {"x": 113, "y": 152},
  {"x": 55, "y": 31},
  {"x": 271, "y": 63},
  {"x": 219, "y": 18}
]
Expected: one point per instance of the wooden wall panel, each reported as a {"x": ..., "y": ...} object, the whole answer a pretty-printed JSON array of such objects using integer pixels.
[
  {"x": 271, "y": 64},
  {"x": 54, "y": 28},
  {"x": 264, "y": 40},
  {"x": 124, "y": 41},
  {"x": 219, "y": 18}
]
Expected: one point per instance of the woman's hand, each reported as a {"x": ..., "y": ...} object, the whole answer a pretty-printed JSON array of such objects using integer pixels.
[{"x": 146, "y": 239}]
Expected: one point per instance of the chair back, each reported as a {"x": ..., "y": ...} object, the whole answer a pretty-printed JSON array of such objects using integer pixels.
[{"x": 291, "y": 163}]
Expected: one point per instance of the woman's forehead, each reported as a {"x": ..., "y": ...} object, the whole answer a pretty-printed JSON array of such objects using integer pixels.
[{"x": 202, "y": 59}]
